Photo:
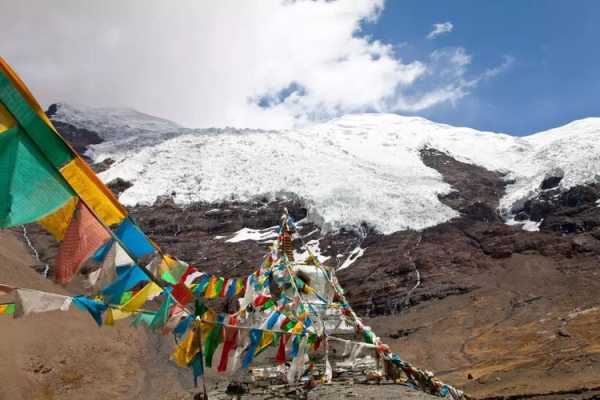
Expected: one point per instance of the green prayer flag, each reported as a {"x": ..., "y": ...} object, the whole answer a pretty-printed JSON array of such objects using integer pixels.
[
  {"x": 30, "y": 188},
  {"x": 126, "y": 297},
  {"x": 168, "y": 277},
  {"x": 212, "y": 341},
  {"x": 7, "y": 309},
  {"x": 199, "y": 308},
  {"x": 143, "y": 318},
  {"x": 53, "y": 146},
  {"x": 270, "y": 303},
  {"x": 219, "y": 285},
  {"x": 162, "y": 316}
]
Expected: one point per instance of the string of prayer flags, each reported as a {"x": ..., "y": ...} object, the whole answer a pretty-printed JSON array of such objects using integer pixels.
[
  {"x": 214, "y": 287},
  {"x": 268, "y": 337},
  {"x": 171, "y": 270},
  {"x": 201, "y": 285},
  {"x": 190, "y": 275}
]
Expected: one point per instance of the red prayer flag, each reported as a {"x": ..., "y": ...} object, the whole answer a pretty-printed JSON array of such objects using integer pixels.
[
  {"x": 260, "y": 300},
  {"x": 223, "y": 288},
  {"x": 188, "y": 271},
  {"x": 229, "y": 343},
  {"x": 280, "y": 357},
  {"x": 82, "y": 238},
  {"x": 182, "y": 294}
]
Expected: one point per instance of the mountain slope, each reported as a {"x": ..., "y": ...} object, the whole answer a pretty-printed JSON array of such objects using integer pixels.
[
  {"x": 514, "y": 310},
  {"x": 355, "y": 169}
]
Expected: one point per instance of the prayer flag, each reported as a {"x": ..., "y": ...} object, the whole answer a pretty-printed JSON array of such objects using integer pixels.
[
  {"x": 151, "y": 290},
  {"x": 94, "y": 307},
  {"x": 29, "y": 301},
  {"x": 82, "y": 239}
]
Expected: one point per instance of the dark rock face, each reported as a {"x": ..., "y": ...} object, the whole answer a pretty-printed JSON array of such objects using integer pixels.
[
  {"x": 118, "y": 185},
  {"x": 79, "y": 138},
  {"x": 103, "y": 165},
  {"x": 197, "y": 233},
  {"x": 478, "y": 190},
  {"x": 550, "y": 182},
  {"x": 567, "y": 212}
]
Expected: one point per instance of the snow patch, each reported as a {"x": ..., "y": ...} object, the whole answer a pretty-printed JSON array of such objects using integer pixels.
[
  {"x": 352, "y": 257},
  {"x": 526, "y": 225},
  {"x": 532, "y": 226},
  {"x": 315, "y": 249},
  {"x": 257, "y": 235}
]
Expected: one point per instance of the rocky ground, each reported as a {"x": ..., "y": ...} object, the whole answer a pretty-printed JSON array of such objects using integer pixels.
[{"x": 499, "y": 311}]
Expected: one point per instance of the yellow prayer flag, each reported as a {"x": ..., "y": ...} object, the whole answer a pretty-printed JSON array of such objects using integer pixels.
[
  {"x": 189, "y": 347},
  {"x": 91, "y": 190},
  {"x": 266, "y": 341},
  {"x": 140, "y": 298},
  {"x": 297, "y": 328},
  {"x": 211, "y": 289},
  {"x": 58, "y": 222},
  {"x": 6, "y": 119},
  {"x": 109, "y": 320}
]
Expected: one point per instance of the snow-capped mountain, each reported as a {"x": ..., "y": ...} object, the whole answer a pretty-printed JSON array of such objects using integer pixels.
[
  {"x": 112, "y": 124},
  {"x": 354, "y": 169}
]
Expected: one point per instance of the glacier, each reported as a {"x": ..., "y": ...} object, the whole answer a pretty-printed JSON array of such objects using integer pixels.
[{"x": 360, "y": 168}]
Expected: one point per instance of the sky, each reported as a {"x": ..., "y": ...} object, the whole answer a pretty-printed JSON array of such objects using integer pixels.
[{"x": 512, "y": 66}]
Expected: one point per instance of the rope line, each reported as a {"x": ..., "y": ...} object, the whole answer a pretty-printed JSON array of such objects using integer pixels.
[{"x": 36, "y": 255}]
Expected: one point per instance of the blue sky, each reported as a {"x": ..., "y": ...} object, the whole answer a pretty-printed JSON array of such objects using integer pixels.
[
  {"x": 513, "y": 66},
  {"x": 555, "y": 76}
]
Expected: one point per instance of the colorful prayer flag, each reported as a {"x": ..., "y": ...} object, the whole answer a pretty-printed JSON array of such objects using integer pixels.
[{"x": 82, "y": 239}]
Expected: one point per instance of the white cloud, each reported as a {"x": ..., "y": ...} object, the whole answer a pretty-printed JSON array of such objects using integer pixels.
[
  {"x": 440, "y": 29},
  {"x": 268, "y": 63},
  {"x": 446, "y": 80}
]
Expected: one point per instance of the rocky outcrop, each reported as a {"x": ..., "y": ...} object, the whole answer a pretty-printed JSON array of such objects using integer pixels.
[
  {"x": 79, "y": 138},
  {"x": 565, "y": 211},
  {"x": 477, "y": 190}
]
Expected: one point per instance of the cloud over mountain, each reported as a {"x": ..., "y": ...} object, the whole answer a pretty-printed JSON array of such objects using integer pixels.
[{"x": 268, "y": 64}]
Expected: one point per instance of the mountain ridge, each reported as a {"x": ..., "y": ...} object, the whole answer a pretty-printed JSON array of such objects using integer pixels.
[{"x": 360, "y": 168}]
